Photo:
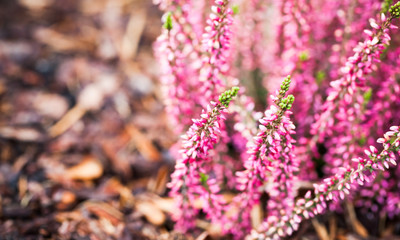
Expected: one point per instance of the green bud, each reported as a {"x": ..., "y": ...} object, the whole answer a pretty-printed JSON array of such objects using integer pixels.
[
  {"x": 362, "y": 140},
  {"x": 285, "y": 84},
  {"x": 235, "y": 9},
  {"x": 395, "y": 10},
  {"x": 320, "y": 77},
  {"x": 226, "y": 97},
  {"x": 168, "y": 21},
  {"x": 287, "y": 102},
  {"x": 304, "y": 56}
]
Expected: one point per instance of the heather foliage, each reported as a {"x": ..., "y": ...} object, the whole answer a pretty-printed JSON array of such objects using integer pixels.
[{"x": 344, "y": 96}]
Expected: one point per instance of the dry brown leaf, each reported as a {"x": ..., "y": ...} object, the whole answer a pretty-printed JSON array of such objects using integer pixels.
[
  {"x": 88, "y": 7},
  {"x": 332, "y": 227},
  {"x": 35, "y": 4},
  {"x": 320, "y": 229},
  {"x": 151, "y": 212},
  {"x": 88, "y": 169},
  {"x": 22, "y": 186},
  {"x": 143, "y": 144},
  {"x": 159, "y": 184},
  {"x": 166, "y": 204},
  {"x": 357, "y": 226},
  {"x": 134, "y": 29},
  {"x": 66, "y": 216},
  {"x": 64, "y": 199},
  {"x": 202, "y": 236},
  {"x": 342, "y": 237},
  {"x": 104, "y": 210},
  {"x": 69, "y": 119},
  {"x": 111, "y": 148},
  {"x": 51, "y": 105},
  {"x": 389, "y": 230},
  {"x": 25, "y": 134},
  {"x": 114, "y": 186},
  {"x": 256, "y": 215},
  {"x": 212, "y": 230},
  {"x": 91, "y": 97},
  {"x": 59, "y": 41}
]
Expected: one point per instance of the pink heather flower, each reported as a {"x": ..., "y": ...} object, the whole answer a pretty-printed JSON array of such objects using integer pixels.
[
  {"x": 342, "y": 90},
  {"x": 249, "y": 29},
  {"x": 347, "y": 28},
  {"x": 270, "y": 159},
  {"x": 343, "y": 110},
  {"x": 299, "y": 37},
  {"x": 215, "y": 46},
  {"x": 252, "y": 153},
  {"x": 176, "y": 49},
  {"x": 338, "y": 186},
  {"x": 383, "y": 106},
  {"x": 283, "y": 169},
  {"x": 190, "y": 179}
]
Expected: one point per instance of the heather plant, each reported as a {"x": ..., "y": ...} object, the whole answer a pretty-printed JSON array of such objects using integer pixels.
[{"x": 323, "y": 123}]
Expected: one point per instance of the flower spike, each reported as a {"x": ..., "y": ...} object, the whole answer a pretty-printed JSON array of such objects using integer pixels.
[{"x": 190, "y": 180}]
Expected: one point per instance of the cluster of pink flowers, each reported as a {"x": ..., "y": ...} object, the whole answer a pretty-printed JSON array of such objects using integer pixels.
[
  {"x": 338, "y": 186},
  {"x": 190, "y": 179},
  {"x": 216, "y": 46},
  {"x": 343, "y": 109},
  {"x": 347, "y": 90},
  {"x": 270, "y": 159}
]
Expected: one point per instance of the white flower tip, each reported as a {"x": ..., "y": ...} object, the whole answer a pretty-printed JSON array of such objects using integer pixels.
[{"x": 383, "y": 17}]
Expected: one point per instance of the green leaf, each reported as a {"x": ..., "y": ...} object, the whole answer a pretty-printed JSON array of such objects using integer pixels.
[
  {"x": 203, "y": 178},
  {"x": 304, "y": 56},
  {"x": 367, "y": 95}
]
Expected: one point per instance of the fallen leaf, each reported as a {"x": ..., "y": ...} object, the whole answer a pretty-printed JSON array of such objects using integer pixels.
[
  {"x": 25, "y": 134},
  {"x": 151, "y": 212},
  {"x": 134, "y": 29},
  {"x": 61, "y": 42},
  {"x": 104, "y": 210},
  {"x": 69, "y": 119},
  {"x": 35, "y": 4},
  {"x": 88, "y": 169},
  {"x": 66, "y": 216},
  {"x": 320, "y": 229},
  {"x": 166, "y": 204},
  {"x": 256, "y": 215},
  {"x": 114, "y": 186},
  {"x": 51, "y": 105},
  {"x": 64, "y": 199},
  {"x": 332, "y": 227},
  {"x": 357, "y": 226},
  {"x": 143, "y": 144},
  {"x": 159, "y": 184}
]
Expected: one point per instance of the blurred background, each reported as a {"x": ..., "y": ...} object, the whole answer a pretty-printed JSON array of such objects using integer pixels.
[{"x": 83, "y": 137}]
